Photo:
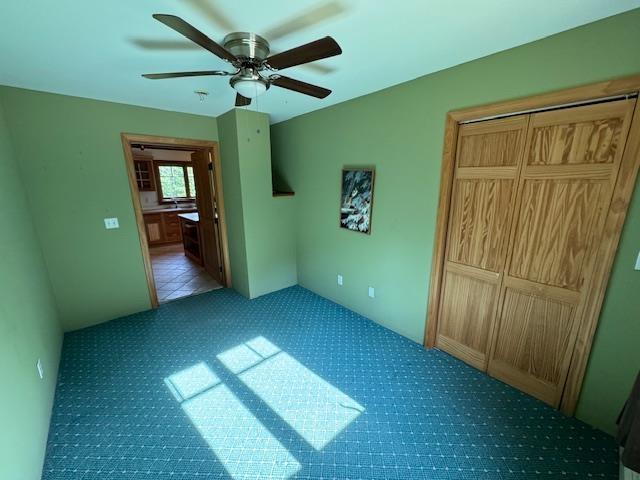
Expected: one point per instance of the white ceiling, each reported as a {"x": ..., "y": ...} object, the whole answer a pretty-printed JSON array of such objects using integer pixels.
[{"x": 98, "y": 50}]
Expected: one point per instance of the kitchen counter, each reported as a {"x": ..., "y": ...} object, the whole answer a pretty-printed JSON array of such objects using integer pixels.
[
  {"x": 191, "y": 236},
  {"x": 193, "y": 217},
  {"x": 169, "y": 209}
]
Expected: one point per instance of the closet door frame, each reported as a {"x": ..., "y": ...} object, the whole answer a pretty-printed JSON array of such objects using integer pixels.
[{"x": 624, "y": 186}]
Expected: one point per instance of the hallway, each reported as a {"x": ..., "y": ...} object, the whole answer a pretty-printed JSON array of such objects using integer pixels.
[{"x": 177, "y": 276}]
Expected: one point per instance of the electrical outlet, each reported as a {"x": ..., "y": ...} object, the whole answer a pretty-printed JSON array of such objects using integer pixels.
[
  {"x": 110, "y": 223},
  {"x": 340, "y": 280},
  {"x": 638, "y": 262},
  {"x": 40, "y": 369},
  {"x": 372, "y": 292}
]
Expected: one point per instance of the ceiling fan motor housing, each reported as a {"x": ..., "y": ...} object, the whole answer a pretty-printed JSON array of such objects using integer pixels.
[
  {"x": 251, "y": 50},
  {"x": 245, "y": 45}
]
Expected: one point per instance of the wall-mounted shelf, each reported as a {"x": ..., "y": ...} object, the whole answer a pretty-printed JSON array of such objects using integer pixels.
[{"x": 279, "y": 186}]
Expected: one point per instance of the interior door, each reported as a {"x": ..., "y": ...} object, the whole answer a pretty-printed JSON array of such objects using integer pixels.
[
  {"x": 571, "y": 162},
  {"x": 205, "y": 197},
  {"x": 487, "y": 164}
]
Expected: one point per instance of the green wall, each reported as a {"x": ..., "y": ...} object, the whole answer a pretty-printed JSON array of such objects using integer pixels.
[
  {"x": 71, "y": 160},
  {"x": 400, "y": 131},
  {"x": 260, "y": 226},
  {"x": 230, "y": 156},
  {"x": 29, "y": 329},
  {"x": 615, "y": 357}
]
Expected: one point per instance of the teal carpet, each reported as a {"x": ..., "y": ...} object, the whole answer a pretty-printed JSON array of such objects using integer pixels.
[{"x": 291, "y": 385}]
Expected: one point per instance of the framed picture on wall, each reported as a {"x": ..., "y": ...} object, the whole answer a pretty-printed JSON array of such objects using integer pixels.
[{"x": 356, "y": 202}]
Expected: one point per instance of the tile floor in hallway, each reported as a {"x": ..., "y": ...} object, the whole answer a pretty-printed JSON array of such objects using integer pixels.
[{"x": 178, "y": 276}]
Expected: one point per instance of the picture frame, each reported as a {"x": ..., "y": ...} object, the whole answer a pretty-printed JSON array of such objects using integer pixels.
[{"x": 356, "y": 198}]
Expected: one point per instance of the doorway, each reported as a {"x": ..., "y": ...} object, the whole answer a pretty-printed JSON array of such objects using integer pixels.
[{"x": 176, "y": 191}]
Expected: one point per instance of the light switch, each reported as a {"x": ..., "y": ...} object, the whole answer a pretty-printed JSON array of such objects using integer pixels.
[
  {"x": 638, "y": 262},
  {"x": 372, "y": 292},
  {"x": 110, "y": 223},
  {"x": 339, "y": 279}
]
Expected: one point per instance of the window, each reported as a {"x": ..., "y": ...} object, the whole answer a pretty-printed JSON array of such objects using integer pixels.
[
  {"x": 176, "y": 182},
  {"x": 192, "y": 181},
  {"x": 172, "y": 181}
]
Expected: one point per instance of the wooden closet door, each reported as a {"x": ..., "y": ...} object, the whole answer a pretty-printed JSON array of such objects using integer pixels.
[
  {"x": 488, "y": 159},
  {"x": 571, "y": 162}
]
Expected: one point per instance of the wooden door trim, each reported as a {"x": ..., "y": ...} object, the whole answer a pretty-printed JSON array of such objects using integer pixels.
[
  {"x": 594, "y": 91},
  {"x": 614, "y": 220},
  {"x": 211, "y": 146}
]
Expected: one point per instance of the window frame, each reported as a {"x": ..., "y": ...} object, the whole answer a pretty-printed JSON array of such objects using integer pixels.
[{"x": 168, "y": 163}]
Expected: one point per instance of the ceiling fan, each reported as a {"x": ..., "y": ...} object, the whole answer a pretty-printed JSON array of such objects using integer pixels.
[{"x": 254, "y": 70}]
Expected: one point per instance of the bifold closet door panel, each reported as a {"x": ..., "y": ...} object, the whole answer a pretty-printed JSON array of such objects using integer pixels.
[
  {"x": 571, "y": 162},
  {"x": 488, "y": 158}
]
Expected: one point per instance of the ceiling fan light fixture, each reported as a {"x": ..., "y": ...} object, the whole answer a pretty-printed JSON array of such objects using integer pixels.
[{"x": 250, "y": 88}]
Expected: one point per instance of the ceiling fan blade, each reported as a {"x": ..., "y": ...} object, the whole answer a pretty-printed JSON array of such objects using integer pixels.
[
  {"x": 160, "y": 76},
  {"x": 306, "y": 19},
  {"x": 213, "y": 13},
  {"x": 318, "y": 68},
  {"x": 195, "y": 35},
  {"x": 242, "y": 101},
  {"x": 147, "y": 44},
  {"x": 324, "y": 48},
  {"x": 298, "y": 86},
  {"x": 313, "y": 67}
]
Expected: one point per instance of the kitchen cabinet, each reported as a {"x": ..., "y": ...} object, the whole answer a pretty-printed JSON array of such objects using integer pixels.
[
  {"x": 164, "y": 227},
  {"x": 153, "y": 225},
  {"x": 143, "y": 167},
  {"x": 171, "y": 227},
  {"x": 191, "y": 236}
]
